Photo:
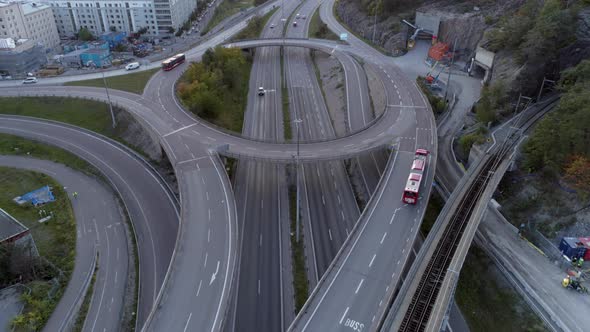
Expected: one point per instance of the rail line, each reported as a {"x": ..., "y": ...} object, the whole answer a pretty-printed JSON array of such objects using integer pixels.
[{"x": 423, "y": 300}]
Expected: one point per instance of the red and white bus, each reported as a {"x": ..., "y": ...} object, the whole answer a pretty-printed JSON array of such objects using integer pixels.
[
  {"x": 172, "y": 62},
  {"x": 412, "y": 189}
]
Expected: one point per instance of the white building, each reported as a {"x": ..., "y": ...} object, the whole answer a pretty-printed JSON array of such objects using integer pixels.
[
  {"x": 129, "y": 15},
  {"x": 28, "y": 20}
]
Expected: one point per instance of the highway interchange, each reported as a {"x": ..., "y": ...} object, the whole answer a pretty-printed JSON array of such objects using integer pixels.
[{"x": 212, "y": 246}]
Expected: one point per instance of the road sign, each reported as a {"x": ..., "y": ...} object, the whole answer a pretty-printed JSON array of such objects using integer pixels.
[{"x": 343, "y": 36}]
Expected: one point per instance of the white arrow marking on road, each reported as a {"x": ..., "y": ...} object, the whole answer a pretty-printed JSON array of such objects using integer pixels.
[{"x": 214, "y": 274}]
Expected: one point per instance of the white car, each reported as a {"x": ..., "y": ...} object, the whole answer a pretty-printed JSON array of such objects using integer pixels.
[
  {"x": 272, "y": 26},
  {"x": 30, "y": 80},
  {"x": 261, "y": 91},
  {"x": 133, "y": 65}
]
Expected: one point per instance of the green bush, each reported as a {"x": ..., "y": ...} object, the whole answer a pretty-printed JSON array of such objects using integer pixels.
[{"x": 216, "y": 88}]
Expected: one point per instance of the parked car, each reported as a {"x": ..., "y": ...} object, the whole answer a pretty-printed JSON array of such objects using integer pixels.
[
  {"x": 133, "y": 65},
  {"x": 30, "y": 80},
  {"x": 294, "y": 24}
]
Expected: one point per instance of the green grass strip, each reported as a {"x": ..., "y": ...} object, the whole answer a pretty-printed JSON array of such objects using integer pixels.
[
  {"x": 226, "y": 9},
  {"x": 134, "y": 83},
  {"x": 319, "y": 29},
  {"x": 300, "y": 282}
]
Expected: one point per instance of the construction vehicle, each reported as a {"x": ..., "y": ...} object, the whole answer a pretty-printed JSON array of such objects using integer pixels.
[
  {"x": 418, "y": 30},
  {"x": 574, "y": 283}
]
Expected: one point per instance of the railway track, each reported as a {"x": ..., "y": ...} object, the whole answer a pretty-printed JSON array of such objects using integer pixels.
[{"x": 424, "y": 298}]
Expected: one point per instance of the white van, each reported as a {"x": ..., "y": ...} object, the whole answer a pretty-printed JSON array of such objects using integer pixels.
[{"x": 131, "y": 66}]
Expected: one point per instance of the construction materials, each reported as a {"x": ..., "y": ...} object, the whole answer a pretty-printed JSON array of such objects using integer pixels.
[
  {"x": 572, "y": 247},
  {"x": 574, "y": 283}
]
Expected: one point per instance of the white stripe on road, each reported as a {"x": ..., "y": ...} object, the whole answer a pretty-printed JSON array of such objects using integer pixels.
[
  {"x": 179, "y": 129},
  {"x": 187, "y": 321},
  {"x": 359, "y": 286},
  {"x": 344, "y": 314}
]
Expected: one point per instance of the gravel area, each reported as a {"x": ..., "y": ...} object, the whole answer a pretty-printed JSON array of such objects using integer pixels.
[{"x": 333, "y": 86}]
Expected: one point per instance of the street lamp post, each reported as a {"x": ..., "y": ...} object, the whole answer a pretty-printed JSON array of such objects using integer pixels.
[
  {"x": 297, "y": 122},
  {"x": 104, "y": 81}
]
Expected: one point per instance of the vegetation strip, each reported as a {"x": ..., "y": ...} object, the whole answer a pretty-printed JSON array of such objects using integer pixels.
[
  {"x": 285, "y": 103},
  {"x": 228, "y": 8},
  {"x": 48, "y": 275},
  {"x": 83, "y": 312},
  {"x": 300, "y": 282},
  {"x": 319, "y": 29},
  {"x": 254, "y": 27},
  {"x": 134, "y": 83}
]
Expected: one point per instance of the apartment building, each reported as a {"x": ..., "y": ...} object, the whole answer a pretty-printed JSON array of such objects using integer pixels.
[
  {"x": 29, "y": 20},
  {"x": 101, "y": 16}
]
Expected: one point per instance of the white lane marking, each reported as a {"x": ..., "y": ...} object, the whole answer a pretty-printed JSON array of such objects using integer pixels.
[
  {"x": 359, "y": 286},
  {"x": 207, "y": 193},
  {"x": 258, "y": 286},
  {"x": 323, "y": 200},
  {"x": 104, "y": 286},
  {"x": 193, "y": 159},
  {"x": 214, "y": 275},
  {"x": 199, "y": 288},
  {"x": 260, "y": 240},
  {"x": 339, "y": 201},
  {"x": 187, "y": 321},
  {"x": 116, "y": 274},
  {"x": 206, "y": 256},
  {"x": 330, "y": 233},
  {"x": 261, "y": 204},
  {"x": 372, "y": 259},
  {"x": 344, "y": 314},
  {"x": 208, "y": 235},
  {"x": 383, "y": 238},
  {"x": 393, "y": 216},
  {"x": 209, "y": 212},
  {"x": 179, "y": 129},
  {"x": 212, "y": 139},
  {"x": 117, "y": 254},
  {"x": 203, "y": 180}
]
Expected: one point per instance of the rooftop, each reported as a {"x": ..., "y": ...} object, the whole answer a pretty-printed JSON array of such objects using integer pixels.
[
  {"x": 9, "y": 226},
  {"x": 27, "y": 7}
]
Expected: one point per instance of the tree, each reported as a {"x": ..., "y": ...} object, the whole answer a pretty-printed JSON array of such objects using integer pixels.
[
  {"x": 85, "y": 35},
  {"x": 578, "y": 174},
  {"x": 142, "y": 31},
  {"x": 171, "y": 30}
]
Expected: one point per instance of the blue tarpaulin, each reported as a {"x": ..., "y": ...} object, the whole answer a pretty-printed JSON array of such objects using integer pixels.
[{"x": 40, "y": 196}]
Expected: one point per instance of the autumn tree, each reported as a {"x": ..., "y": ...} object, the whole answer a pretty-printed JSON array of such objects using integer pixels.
[{"x": 578, "y": 174}]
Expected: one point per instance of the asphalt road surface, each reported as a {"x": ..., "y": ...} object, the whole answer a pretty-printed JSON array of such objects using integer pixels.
[
  {"x": 100, "y": 227},
  {"x": 264, "y": 289},
  {"x": 150, "y": 205}
]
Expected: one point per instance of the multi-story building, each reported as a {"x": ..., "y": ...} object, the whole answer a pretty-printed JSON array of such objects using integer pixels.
[
  {"x": 101, "y": 16},
  {"x": 28, "y": 20},
  {"x": 18, "y": 58}
]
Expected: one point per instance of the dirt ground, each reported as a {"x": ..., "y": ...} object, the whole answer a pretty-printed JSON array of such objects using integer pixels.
[
  {"x": 376, "y": 91},
  {"x": 333, "y": 85}
]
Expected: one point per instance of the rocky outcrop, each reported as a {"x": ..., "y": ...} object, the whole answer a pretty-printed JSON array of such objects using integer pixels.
[{"x": 389, "y": 33}]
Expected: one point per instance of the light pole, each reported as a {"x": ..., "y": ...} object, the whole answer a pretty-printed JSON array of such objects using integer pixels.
[
  {"x": 297, "y": 122},
  {"x": 450, "y": 68},
  {"x": 91, "y": 63}
]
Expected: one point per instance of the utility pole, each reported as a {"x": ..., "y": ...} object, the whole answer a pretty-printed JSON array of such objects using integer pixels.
[
  {"x": 542, "y": 86},
  {"x": 104, "y": 81},
  {"x": 109, "y": 99},
  {"x": 450, "y": 67},
  {"x": 297, "y": 122}
]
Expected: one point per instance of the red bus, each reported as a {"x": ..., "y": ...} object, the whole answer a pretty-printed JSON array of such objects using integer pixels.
[
  {"x": 412, "y": 189},
  {"x": 173, "y": 62}
]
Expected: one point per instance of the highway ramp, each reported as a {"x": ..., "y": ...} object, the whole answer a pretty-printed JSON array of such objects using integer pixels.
[{"x": 151, "y": 207}]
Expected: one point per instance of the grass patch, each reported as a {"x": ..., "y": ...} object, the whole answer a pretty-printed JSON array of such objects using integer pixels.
[
  {"x": 216, "y": 89},
  {"x": 15, "y": 145},
  {"x": 131, "y": 82},
  {"x": 86, "y": 304},
  {"x": 319, "y": 29},
  {"x": 254, "y": 27},
  {"x": 435, "y": 205},
  {"x": 487, "y": 305},
  {"x": 300, "y": 282},
  {"x": 285, "y": 102},
  {"x": 55, "y": 240},
  {"x": 88, "y": 114},
  {"x": 226, "y": 9}
]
